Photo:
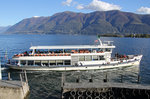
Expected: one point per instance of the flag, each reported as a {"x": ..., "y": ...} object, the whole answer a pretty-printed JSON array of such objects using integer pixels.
[{"x": 96, "y": 41}]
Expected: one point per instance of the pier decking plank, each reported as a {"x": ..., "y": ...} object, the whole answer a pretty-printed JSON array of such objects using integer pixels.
[{"x": 105, "y": 85}]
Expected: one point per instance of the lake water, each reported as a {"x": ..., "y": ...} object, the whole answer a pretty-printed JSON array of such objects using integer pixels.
[{"x": 47, "y": 85}]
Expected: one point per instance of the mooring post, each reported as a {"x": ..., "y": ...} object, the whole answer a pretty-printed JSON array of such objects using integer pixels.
[
  {"x": 8, "y": 75},
  {"x": 62, "y": 84},
  {"x": 26, "y": 78},
  {"x": 105, "y": 80},
  {"x": 91, "y": 79},
  {"x": 21, "y": 78},
  {"x": 138, "y": 79},
  {"x": 22, "y": 84},
  {"x": 121, "y": 79},
  {"x": 77, "y": 80},
  {"x": 62, "y": 80}
]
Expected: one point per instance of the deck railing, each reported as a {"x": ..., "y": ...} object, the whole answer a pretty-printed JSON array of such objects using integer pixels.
[{"x": 54, "y": 54}]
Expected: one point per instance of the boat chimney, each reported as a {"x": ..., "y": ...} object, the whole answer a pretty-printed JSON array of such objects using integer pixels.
[{"x": 100, "y": 42}]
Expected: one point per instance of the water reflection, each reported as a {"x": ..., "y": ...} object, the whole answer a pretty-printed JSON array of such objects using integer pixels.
[{"x": 129, "y": 74}]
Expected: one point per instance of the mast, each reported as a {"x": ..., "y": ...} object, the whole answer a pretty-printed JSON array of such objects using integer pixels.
[{"x": 100, "y": 42}]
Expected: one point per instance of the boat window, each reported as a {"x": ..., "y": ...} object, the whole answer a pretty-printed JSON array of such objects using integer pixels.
[
  {"x": 88, "y": 58},
  {"x": 74, "y": 51},
  {"x": 101, "y": 58},
  {"x": 107, "y": 49},
  {"x": 41, "y": 51},
  {"x": 37, "y": 63},
  {"x": 95, "y": 57},
  {"x": 94, "y": 50},
  {"x": 67, "y": 51},
  {"x": 22, "y": 62},
  {"x": 59, "y": 62},
  {"x": 13, "y": 62},
  {"x": 100, "y": 50},
  {"x": 16, "y": 62},
  {"x": 45, "y": 63},
  {"x": 67, "y": 62},
  {"x": 81, "y": 58},
  {"x": 52, "y": 62},
  {"x": 30, "y": 63},
  {"x": 57, "y": 51}
]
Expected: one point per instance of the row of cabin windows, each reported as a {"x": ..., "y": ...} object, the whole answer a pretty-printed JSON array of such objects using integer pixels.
[
  {"x": 90, "y": 58},
  {"x": 45, "y": 63}
]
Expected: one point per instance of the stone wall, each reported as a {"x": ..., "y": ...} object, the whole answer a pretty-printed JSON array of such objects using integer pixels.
[{"x": 14, "y": 92}]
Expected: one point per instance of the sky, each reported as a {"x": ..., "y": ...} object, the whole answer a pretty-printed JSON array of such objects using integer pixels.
[{"x": 13, "y": 11}]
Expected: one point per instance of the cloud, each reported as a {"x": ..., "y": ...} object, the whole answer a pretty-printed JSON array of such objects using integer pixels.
[
  {"x": 144, "y": 10},
  {"x": 98, "y": 5},
  {"x": 80, "y": 7},
  {"x": 67, "y": 2}
]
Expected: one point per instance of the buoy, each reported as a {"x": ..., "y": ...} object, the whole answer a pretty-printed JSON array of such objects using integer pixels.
[
  {"x": 97, "y": 97},
  {"x": 111, "y": 93},
  {"x": 96, "y": 94},
  {"x": 111, "y": 97},
  {"x": 72, "y": 93},
  {"x": 103, "y": 94},
  {"x": 88, "y": 97},
  {"x": 71, "y": 97},
  {"x": 80, "y": 97},
  {"x": 88, "y": 93},
  {"x": 80, "y": 93}
]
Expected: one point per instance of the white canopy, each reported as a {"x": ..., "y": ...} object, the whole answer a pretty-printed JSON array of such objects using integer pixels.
[{"x": 72, "y": 47}]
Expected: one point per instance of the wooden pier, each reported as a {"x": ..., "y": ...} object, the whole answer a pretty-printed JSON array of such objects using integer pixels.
[{"x": 104, "y": 90}]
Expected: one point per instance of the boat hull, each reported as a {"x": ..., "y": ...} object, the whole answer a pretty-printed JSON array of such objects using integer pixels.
[
  {"x": 72, "y": 68},
  {"x": 133, "y": 62}
]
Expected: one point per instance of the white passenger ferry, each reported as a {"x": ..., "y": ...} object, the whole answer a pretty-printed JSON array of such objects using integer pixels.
[{"x": 72, "y": 57}]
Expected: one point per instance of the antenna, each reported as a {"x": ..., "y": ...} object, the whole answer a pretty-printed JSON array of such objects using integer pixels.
[{"x": 6, "y": 55}]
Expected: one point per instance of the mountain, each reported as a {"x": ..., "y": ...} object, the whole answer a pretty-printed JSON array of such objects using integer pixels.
[
  {"x": 4, "y": 28},
  {"x": 85, "y": 23}
]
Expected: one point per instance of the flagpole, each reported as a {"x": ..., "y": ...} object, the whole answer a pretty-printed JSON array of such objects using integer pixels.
[{"x": 6, "y": 56}]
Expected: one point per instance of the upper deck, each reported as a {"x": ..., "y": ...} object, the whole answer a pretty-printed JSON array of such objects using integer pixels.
[
  {"x": 104, "y": 45},
  {"x": 69, "y": 50}
]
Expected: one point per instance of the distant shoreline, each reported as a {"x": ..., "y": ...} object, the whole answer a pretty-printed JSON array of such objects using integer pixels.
[
  {"x": 101, "y": 35},
  {"x": 126, "y": 35}
]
